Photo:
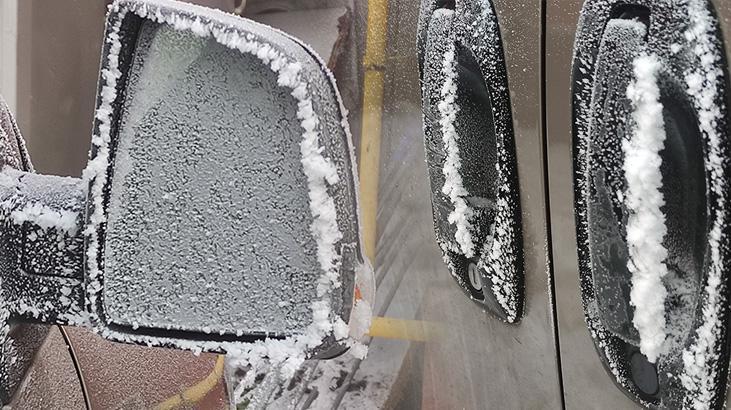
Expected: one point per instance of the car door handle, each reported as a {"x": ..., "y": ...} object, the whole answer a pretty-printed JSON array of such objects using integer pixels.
[
  {"x": 470, "y": 152},
  {"x": 617, "y": 44}
]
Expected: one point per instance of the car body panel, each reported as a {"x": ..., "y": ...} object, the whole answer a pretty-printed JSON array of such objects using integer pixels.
[
  {"x": 582, "y": 371},
  {"x": 128, "y": 376},
  {"x": 52, "y": 380},
  {"x": 471, "y": 359},
  {"x": 489, "y": 362}
]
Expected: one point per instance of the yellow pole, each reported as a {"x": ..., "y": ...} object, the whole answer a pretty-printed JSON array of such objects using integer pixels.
[
  {"x": 196, "y": 393},
  {"x": 374, "y": 62},
  {"x": 413, "y": 330}
]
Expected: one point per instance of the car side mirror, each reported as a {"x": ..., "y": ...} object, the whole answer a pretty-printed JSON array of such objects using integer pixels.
[{"x": 219, "y": 206}]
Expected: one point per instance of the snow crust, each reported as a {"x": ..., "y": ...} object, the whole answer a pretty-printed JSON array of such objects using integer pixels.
[
  {"x": 51, "y": 245},
  {"x": 287, "y": 354},
  {"x": 46, "y": 217},
  {"x": 453, "y": 184},
  {"x": 646, "y": 224}
]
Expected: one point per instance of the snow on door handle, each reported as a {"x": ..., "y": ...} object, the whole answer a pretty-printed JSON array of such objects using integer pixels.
[{"x": 651, "y": 167}]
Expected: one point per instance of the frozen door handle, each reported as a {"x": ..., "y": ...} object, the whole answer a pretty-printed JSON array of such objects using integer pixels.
[
  {"x": 470, "y": 152},
  {"x": 645, "y": 74}
]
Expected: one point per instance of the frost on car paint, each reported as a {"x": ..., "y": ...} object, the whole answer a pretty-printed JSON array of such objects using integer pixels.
[
  {"x": 646, "y": 222},
  {"x": 470, "y": 151},
  {"x": 185, "y": 40},
  {"x": 704, "y": 81},
  {"x": 683, "y": 35}
]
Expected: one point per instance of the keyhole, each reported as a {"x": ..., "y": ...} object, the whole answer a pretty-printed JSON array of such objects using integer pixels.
[{"x": 474, "y": 275}]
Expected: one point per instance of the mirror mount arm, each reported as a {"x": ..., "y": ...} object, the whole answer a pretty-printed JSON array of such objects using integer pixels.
[{"x": 42, "y": 243}]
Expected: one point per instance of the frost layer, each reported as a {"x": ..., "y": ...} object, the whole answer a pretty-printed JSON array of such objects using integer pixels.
[
  {"x": 646, "y": 224},
  {"x": 691, "y": 370},
  {"x": 470, "y": 151},
  {"x": 215, "y": 218}
]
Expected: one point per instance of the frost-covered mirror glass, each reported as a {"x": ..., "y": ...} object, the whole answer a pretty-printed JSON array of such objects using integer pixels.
[
  {"x": 219, "y": 205},
  {"x": 203, "y": 208}
]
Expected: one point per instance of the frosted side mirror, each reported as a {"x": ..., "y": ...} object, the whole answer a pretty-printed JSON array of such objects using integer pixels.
[{"x": 219, "y": 206}]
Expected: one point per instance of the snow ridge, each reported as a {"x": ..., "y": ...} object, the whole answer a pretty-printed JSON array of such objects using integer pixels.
[
  {"x": 46, "y": 217},
  {"x": 453, "y": 185},
  {"x": 42, "y": 215},
  {"x": 702, "y": 84},
  {"x": 95, "y": 171},
  {"x": 646, "y": 224}
]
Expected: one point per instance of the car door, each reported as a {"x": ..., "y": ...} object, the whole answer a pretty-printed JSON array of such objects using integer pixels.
[
  {"x": 589, "y": 378},
  {"x": 492, "y": 363}
]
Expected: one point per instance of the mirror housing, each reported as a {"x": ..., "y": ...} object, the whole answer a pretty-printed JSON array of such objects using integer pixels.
[{"x": 219, "y": 206}]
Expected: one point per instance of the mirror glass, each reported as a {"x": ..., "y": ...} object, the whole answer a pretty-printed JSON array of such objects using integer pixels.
[{"x": 208, "y": 216}]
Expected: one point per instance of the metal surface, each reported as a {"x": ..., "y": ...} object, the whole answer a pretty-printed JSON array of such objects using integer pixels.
[
  {"x": 476, "y": 361},
  {"x": 52, "y": 381},
  {"x": 582, "y": 370},
  {"x": 121, "y": 376},
  {"x": 470, "y": 359},
  {"x": 586, "y": 383}
]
